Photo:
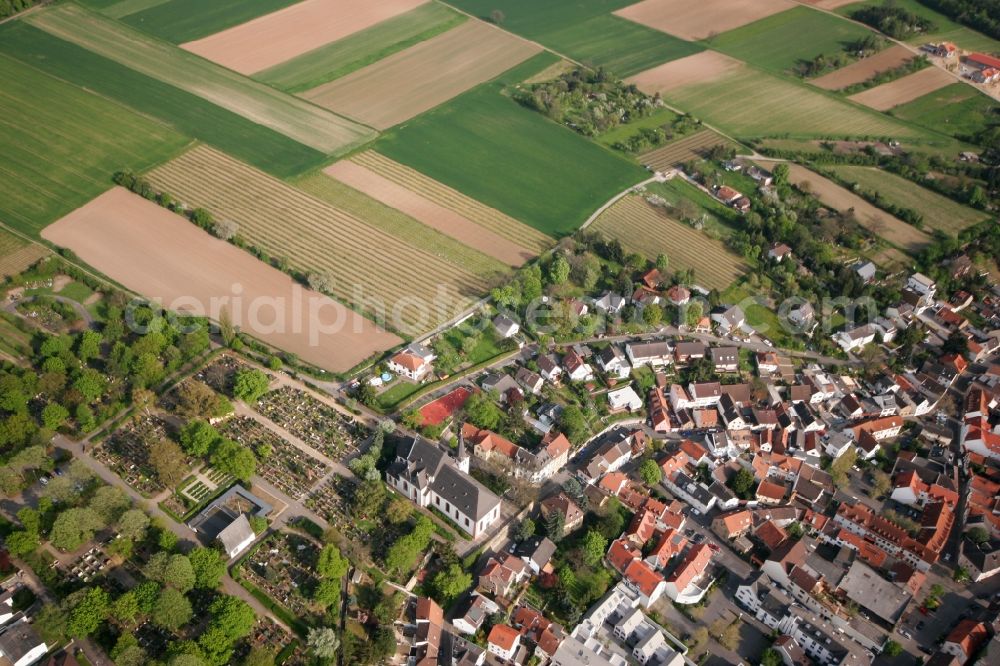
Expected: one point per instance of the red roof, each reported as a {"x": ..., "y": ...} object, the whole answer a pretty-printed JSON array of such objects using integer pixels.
[
  {"x": 643, "y": 576},
  {"x": 440, "y": 410},
  {"x": 968, "y": 634},
  {"x": 771, "y": 490},
  {"x": 503, "y": 636},
  {"x": 621, "y": 554},
  {"x": 411, "y": 362},
  {"x": 692, "y": 566},
  {"x": 555, "y": 443},
  {"x": 985, "y": 60}
]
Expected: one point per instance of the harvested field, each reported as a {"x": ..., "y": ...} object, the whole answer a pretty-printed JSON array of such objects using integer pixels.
[
  {"x": 939, "y": 212},
  {"x": 697, "y": 20},
  {"x": 489, "y": 218},
  {"x": 163, "y": 256},
  {"x": 361, "y": 49},
  {"x": 649, "y": 231},
  {"x": 862, "y": 70},
  {"x": 59, "y": 145},
  {"x": 906, "y": 89},
  {"x": 697, "y": 68},
  {"x": 829, "y": 4},
  {"x": 694, "y": 146},
  {"x": 880, "y": 223},
  {"x": 423, "y": 76},
  {"x": 282, "y": 35},
  {"x": 433, "y": 215},
  {"x": 295, "y": 118},
  {"x": 16, "y": 254},
  {"x": 369, "y": 269}
]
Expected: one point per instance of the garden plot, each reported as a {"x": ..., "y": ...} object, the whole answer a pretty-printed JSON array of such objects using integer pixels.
[
  {"x": 410, "y": 82},
  {"x": 126, "y": 452},
  {"x": 864, "y": 69},
  {"x": 282, "y": 35},
  {"x": 313, "y": 422},
  {"x": 161, "y": 255},
  {"x": 906, "y": 89},
  {"x": 423, "y": 291},
  {"x": 697, "y": 20},
  {"x": 282, "y": 464},
  {"x": 282, "y": 567},
  {"x": 428, "y": 212},
  {"x": 206, "y": 483},
  {"x": 17, "y": 255}
]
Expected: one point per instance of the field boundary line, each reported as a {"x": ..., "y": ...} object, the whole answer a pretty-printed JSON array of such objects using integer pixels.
[{"x": 615, "y": 199}]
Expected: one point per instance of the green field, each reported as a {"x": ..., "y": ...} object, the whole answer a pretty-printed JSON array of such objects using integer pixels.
[
  {"x": 60, "y": 145},
  {"x": 717, "y": 218},
  {"x": 400, "y": 225},
  {"x": 283, "y": 113},
  {"x": 120, "y": 8},
  {"x": 361, "y": 49},
  {"x": 487, "y": 146},
  {"x": 958, "y": 110},
  {"x": 939, "y": 212},
  {"x": 586, "y": 32},
  {"x": 946, "y": 29},
  {"x": 750, "y": 103},
  {"x": 180, "y": 21},
  {"x": 273, "y": 152},
  {"x": 782, "y": 41}
]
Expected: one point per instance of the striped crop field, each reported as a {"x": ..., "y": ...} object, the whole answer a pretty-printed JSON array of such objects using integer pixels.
[
  {"x": 643, "y": 228},
  {"x": 687, "y": 148},
  {"x": 283, "y": 113},
  {"x": 370, "y": 270},
  {"x": 17, "y": 255},
  {"x": 488, "y": 218}
]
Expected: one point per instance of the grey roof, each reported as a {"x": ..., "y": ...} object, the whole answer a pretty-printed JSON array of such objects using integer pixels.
[
  {"x": 538, "y": 549},
  {"x": 236, "y": 533},
  {"x": 18, "y": 639},
  {"x": 725, "y": 355},
  {"x": 867, "y": 588}
]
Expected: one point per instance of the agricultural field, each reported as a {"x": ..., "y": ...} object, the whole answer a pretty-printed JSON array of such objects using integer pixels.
[
  {"x": 880, "y": 223},
  {"x": 486, "y": 217},
  {"x": 159, "y": 254},
  {"x": 946, "y": 29},
  {"x": 185, "y": 20},
  {"x": 428, "y": 212},
  {"x": 693, "y": 146},
  {"x": 782, "y": 41},
  {"x": 958, "y": 110},
  {"x": 587, "y": 32},
  {"x": 410, "y": 82},
  {"x": 17, "y": 255},
  {"x": 285, "y": 114},
  {"x": 487, "y": 146},
  {"x": 361, "y": 49},
  {"x": 649, "y": 231},
  {"x": 697, "y": 68},
  {"x": 693, "y": 21},
  {"x": 313, "y": 236},
  {"x": 187, "y": 113},
  {"x": 282, "y": 35},
  {"x": 59, "y": 145},
  {"x": 910, "y": 87},
  {"x": 401, "y": 225},
  {"x": 750, "y": 103},
  {"x": 939, "y": 212},
  {"x": 864, "y": 69}
]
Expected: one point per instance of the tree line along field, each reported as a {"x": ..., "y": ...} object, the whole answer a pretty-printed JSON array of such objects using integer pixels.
[
  {"x": 939, "y": 212},
  {"x": 906, "y": 89},
  {"x": 297, "y": 119},
  {"x": 648, "y": 230},
  {"x": 361, "y": 49},
  {"x": 59, "y": 144},
  {"x": 364, "y": 264},
  {"x": 487, "y": 146},
  {"x": 958, "y": 110},
  {"x": 587, "y": 32},
  {"x": 185, "y": 112},
  {"x": 16, "y": 254},
  {"x": 410, "y": 82},
  {"x": 864, "y": 69},
  {"x": 945, "y": 30},
  {"x": 781, "y": 41}
]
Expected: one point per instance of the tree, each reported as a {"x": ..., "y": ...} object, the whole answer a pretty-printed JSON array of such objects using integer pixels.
[
  {"x": 979, "y": 535},
  {"x": 840, "y": 467},
  {"x": 449, "y": 583},
  {"x": 54, "y": 415},
  {"x": 132, "y": 524},
  {"x": 693, "y": 314},
  {"x": 233, "y": 617},
  {"x": 481, "y": 411},
  {"x": 74, "y": 527},
  {"x": 22, "y": 542},
  {"x": 327, "y": 593},
  {"x": 198, "y": 437},
  {"x": 881, "y": 483},
  {"x": 525, "y": 530},
  {"x": 172, "y": 610},
  {"x": 652, "y": 315},
  {"x": 172, "y": 570},
  {"x": 558, "y": 270},
  {"x": 555, "y": 524},
  {"x": 771, "y": 657},
  {"x": 168, "y": 462},
  {"x": 125, "y": 608},
  {"x": 225, "y": 229},
  {"x": 403, "y": 554},
  {"x": 87, "y": 615},
  {"x": 743, "y": 484},
  {"x": 780, "y": 174},
  {"x": 250, "y": 384},
  {"x": 196, "y": 400},
  {"x": 497, "y": 17},
  {"x": 109, "y": 503},
  {"x": 368, "y": 498},
  {"x": 331, "y": 564},
  {"x": 323, "y": 642},
  {"x": 398, "y": 510},
  {"x": 593, "y": 547},
  {"x": 259, "y": 656},
  {"x": 650, "y": 472},
  {"x": 893, "y": 649},
  {"x": 698, "y": 640},
  {"x": 51, "y": 622},
  {"x": 208, "y": 567},
  {"x": 236, "y": 460},
  {"x": 573, "y": 423}
]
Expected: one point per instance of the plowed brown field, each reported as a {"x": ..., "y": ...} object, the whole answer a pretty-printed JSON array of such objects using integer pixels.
[
  {"x": 698, "y": 20},
  {"x": 862, "y": 70},
  {"x": 906, "y": 89}
]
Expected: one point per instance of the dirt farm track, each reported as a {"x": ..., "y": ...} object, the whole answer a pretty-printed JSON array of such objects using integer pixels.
[{"x": 161, "y": 255}]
